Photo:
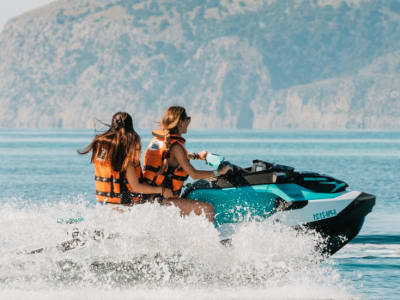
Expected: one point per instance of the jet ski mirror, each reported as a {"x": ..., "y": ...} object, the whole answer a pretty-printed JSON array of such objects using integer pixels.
[
  {"x": 214, "y": 160},
  {"x": 218, "y": 161}
]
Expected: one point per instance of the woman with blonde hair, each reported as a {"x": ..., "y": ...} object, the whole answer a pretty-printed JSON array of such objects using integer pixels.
[
  {"x": 116, "y": 159},
  {"x": 166, "y": 162}
]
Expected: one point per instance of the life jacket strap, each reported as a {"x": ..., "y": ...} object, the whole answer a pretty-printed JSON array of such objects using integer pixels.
[
  {"x": 128, "y": 198},
  {"x": 151, "y": 168},
  {"x": 119, "y": 195},
  {"x": 108, "y": 194},
  {"x": 180, "y": 178},
  {"x": 112, "y": 179}
]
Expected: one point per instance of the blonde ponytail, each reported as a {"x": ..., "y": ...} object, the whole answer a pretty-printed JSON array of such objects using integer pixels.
[
  {"x": 169, "y": 124},
  {"x": 167, "y": 143}
]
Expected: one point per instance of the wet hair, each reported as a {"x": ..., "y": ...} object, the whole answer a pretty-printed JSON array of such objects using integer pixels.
[
  {"x": 169, "y": 124},
  {"x": 120, "y": 144}
]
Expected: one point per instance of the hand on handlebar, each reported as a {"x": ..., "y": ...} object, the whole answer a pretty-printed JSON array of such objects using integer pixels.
[
  {"x": 202, "y": 155},
  {"x": 225, "y": 169}
]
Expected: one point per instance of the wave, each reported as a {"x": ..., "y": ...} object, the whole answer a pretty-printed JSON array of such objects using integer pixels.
[
  {"x": 302, "y": 291},
  {"x": 154, "y": 250},
  {"x": 377, "y": 239},
  {"x": 372, "y": 247}
]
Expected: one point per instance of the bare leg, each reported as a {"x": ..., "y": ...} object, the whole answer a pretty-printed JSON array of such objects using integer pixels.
[{"x": 188, "y": 206}]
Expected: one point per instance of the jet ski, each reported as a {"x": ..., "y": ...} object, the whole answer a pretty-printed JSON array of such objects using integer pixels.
[{"x": 306, "y": 201}]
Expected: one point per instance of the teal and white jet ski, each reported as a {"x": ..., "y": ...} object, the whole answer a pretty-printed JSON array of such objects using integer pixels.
[{"x": 303, "y": 200}]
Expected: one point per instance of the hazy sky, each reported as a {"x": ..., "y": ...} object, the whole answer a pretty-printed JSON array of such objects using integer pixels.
[{"x": 13, "y": 8}]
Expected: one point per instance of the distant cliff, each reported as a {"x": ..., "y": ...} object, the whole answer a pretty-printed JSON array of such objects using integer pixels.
[{"x": 330, "y": 64}]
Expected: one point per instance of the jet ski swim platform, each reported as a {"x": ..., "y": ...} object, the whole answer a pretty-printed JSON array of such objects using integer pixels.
[{"x": 306, "y": 201}]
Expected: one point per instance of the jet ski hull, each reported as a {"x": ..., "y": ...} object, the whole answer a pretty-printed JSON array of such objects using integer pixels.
[
  {"x": 341, "y": 229},
  {"x": 305, "y": 201}
]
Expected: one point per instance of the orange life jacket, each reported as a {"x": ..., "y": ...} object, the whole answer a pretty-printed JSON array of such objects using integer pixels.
[
  {"x": 174, "y": 177},
  {"x": 112, "y": 186}
]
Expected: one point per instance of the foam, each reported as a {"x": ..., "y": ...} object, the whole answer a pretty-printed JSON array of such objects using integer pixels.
[{"x": 158, "y": 255}]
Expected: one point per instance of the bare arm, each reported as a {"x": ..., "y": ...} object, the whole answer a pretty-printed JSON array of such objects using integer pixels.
[
  {"x": 201, "y": 155},
  {"x": 143, "y": 188},
  {"x": 179, "y": 155}
]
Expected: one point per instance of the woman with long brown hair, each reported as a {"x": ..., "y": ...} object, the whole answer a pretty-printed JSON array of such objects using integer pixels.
[
  {"x": 116, "y": 159},
  {"x": 166, "y": 161}
]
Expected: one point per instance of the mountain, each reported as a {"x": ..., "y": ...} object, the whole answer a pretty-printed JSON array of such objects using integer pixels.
[{"x": 329, "y": 64}]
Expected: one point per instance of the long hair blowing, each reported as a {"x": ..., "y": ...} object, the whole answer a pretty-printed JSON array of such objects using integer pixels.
[
  {"x": 169, "y": 124},
  {"x": 120, "y": 143}
]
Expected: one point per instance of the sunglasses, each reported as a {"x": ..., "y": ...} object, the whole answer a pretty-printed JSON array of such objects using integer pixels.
[{"x": 187, "y": 118}]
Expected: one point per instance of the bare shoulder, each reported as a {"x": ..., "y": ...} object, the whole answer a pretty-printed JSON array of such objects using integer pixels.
[
  {"x": 178, "y": 155},
  {"x": 177, "y": 149}
]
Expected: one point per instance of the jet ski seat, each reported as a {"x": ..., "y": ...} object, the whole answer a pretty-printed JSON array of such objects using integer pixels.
[{"x": 260, "y": 165}]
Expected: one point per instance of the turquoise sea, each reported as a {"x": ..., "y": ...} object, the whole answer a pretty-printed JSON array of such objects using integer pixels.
[{"x": 159, "y": 255}]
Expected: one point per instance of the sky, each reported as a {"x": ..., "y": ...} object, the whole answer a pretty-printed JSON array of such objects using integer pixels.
[{"x": 13, "y": 8}]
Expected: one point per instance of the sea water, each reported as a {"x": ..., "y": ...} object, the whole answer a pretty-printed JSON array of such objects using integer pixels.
[{"x": 156, "y": 254}]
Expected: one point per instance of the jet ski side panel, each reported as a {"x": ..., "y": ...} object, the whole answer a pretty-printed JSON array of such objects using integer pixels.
[
  {"x": 316, "y": 210},
  {"x": 247, "y": 203},
  {"x": 233, "y": 205}
]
